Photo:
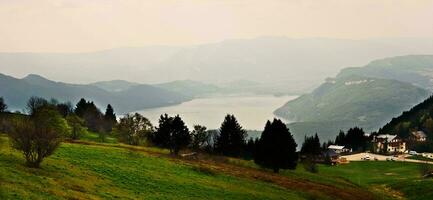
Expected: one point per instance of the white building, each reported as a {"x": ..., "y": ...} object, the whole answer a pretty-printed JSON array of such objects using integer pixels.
[
  {"x": 338, "y": 149},
  {"x": 389, "y": 143}
]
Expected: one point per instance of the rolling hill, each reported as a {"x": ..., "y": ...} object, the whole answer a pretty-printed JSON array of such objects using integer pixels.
[
  {"x": 348, "y": 101},
  {"x": 17, "y": 91}
]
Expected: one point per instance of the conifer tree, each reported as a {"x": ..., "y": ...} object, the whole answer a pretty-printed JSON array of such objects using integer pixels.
[
  {"x": 232, "y": 137},
  {"x": 276, "y": 148}
]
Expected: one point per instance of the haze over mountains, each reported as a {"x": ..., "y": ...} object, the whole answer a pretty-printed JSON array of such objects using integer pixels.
[
  {"x": 279, "y": 64},
  {"x": 16, "y": 92},
  {"x": 365, "y": 96}
]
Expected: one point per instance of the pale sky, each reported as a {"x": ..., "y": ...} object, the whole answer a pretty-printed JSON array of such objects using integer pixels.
[{"x": 89, "y": 25}]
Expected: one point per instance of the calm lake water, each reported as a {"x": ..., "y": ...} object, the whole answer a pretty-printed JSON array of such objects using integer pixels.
[{"x": 251, "y": 111}]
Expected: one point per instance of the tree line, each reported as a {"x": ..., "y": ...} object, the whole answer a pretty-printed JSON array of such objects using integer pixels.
[{"x": 47, "y": 123}]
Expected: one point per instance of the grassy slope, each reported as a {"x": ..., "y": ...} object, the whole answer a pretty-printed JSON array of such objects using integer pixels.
[
  {"x": 387, "y": 180},
  {"x": 119, "y": 171},
  {"x": 94, "y": 172}
]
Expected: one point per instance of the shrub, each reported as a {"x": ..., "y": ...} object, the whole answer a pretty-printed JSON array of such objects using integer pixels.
[{"x": 39, "y": 135}]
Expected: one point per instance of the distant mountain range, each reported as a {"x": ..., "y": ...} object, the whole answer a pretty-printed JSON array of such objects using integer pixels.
[
  {"x": 124, "y": 96},
  {"x": 365, "y": 96},
  {"x": 282, "y": 65}
]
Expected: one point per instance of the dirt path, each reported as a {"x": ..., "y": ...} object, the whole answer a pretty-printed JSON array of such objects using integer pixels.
[{"x": 219, "y": 165}]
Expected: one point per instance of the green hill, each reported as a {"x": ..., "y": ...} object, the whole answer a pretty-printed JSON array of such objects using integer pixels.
[
  {"x": 90, "y": 170},
  {"x": 420, "y": 117},
  {"x": 348, "y": 101}
]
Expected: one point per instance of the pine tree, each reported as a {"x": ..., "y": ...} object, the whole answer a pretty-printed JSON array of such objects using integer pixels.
[
  {"x": 232, "y": 137},
  {"x": 180, "y": 136},
  {"x": 3, "y": 105},
  {"x": 276, "y": 147},
  {"x": 171, "y": 133},
  {"x": 110, "y": 119}
]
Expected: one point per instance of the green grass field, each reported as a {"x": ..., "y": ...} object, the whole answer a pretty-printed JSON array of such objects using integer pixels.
[
  {"x": 93, "y": 172},
  {"x": 112, "y": 170}
]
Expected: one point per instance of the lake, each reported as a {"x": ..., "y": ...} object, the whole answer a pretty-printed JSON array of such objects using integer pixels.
[{"x": 252, "y": 111}]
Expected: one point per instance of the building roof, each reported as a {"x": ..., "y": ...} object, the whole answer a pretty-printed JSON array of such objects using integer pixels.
[
  {"x": 330, "y": 153},
  {"x": 387, "y": 137},
  {"x": 336, "y": 147},
  {"x": 419, "y": 134}
]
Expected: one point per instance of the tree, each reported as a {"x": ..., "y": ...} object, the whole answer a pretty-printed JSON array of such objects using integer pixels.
[
  {"x": 110, "y": 119},
  {"x": 276, "y": 147},
  {"x": 3, "y": 105},
  {"x": 251, "y": 148},
  {"x": 39, "y": 135},
  {"x": 200, "y": 137},
  {"x": 35, "y": 103},
  {"x": 356, "y": 140},
  {"x": 232, "y": 137},
  {"x": 161, "y": 136},
  {"x": 341, "y": 138},
  {"x": 171, "y": 133},
  {"x": 93, "y": 117},
  {"x": 311, "y": 146},
  {"x": 180, "y": 136},
  {"x": 65, "y": 109},
  {"x": 132, "y": 129},
  {"x": 76, "y": 124}
]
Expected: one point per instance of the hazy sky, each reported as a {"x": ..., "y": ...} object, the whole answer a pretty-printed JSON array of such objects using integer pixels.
[{"x": 88, "y": 25}]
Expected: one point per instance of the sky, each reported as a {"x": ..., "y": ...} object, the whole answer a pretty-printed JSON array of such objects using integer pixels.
[{"x": 90, "y": 25}]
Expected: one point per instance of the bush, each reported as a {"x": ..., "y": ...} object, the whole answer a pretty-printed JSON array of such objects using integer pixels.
[
  {"x": 39, "y": 135},
  {"x": 132, "y": 129},
  {"x": 77, "y": 126}
]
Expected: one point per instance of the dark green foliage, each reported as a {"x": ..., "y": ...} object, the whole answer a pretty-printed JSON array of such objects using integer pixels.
[
  {"x": 200, "y": 137},
  {"x": 65, "y": 109},
  {"x": 133, "y": 129},
  {"x": 92, "y": 116},
  {"x": 3, "y": 105},
  {"x": 110, "y": 119},
  {"x": 39, "y": 135},
  {"x": 232, "y": 137},
  {"x": 180, "y": 136},
  {"x": 276, "y": 148},
  {"x": 251, "y": 148},
  {"x": 311, "y": 146},
  {"x": 171, "y": 133},
  {"x": 355, "y": 139},
  {"x": 420, "y": 117},
  {"x": 341, "y": 138},
  {"x": 77, "y": 126}
]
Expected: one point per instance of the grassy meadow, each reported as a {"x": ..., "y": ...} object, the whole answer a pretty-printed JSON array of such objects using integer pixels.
[{"x": 92, "y": 170}]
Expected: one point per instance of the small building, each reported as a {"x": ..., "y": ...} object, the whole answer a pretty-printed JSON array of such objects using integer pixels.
[
  {"x": 334, "y": 156},
  {"x": 418, "y": 136},
  {"x": 389, "y": 144},
  {"x": 338, "y": 149}
]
